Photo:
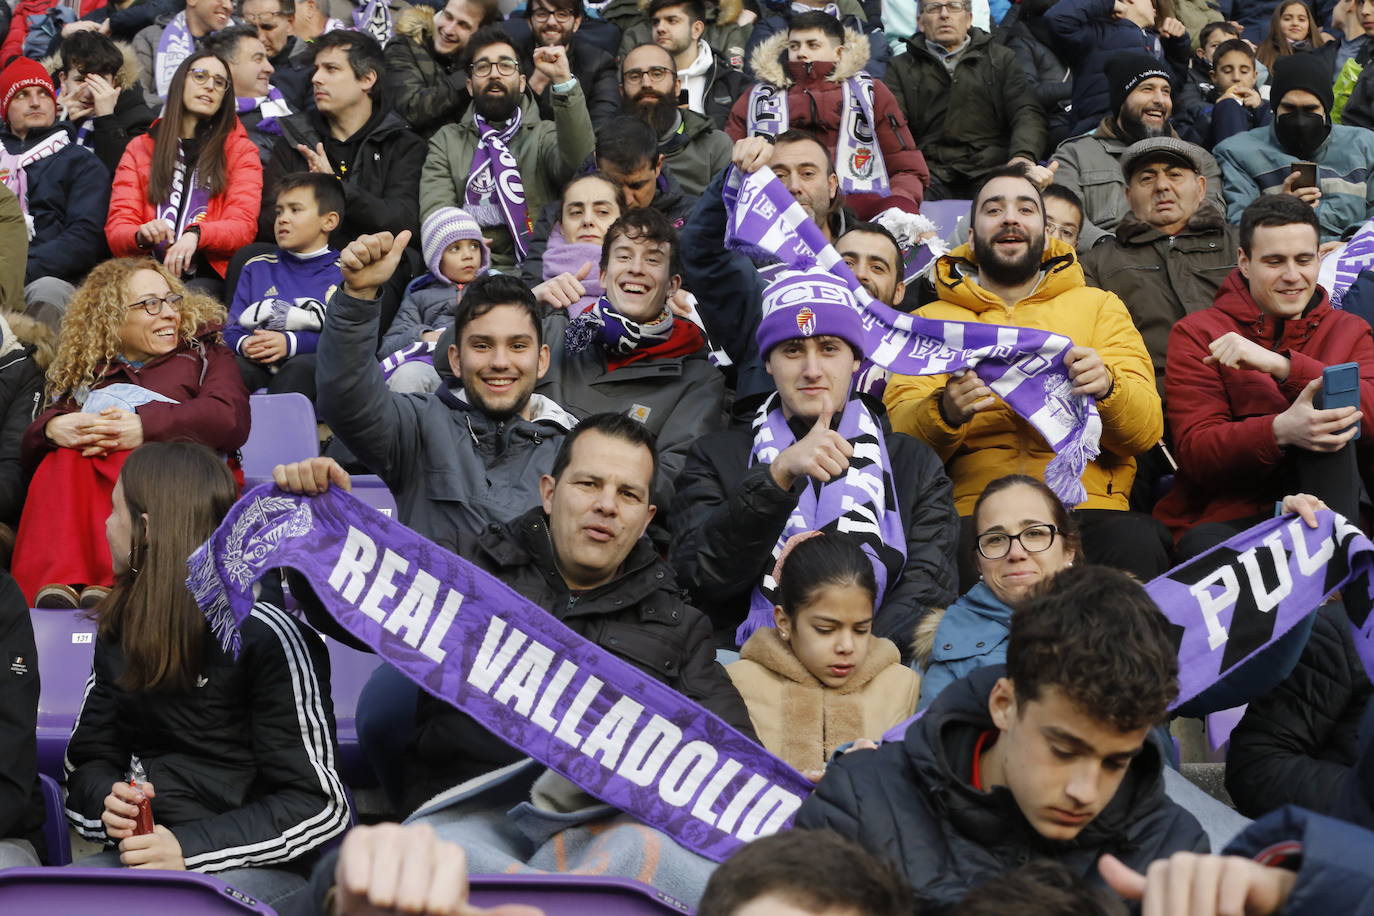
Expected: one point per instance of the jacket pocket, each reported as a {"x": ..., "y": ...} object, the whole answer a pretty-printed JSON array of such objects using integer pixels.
[{"x": 649, "y": 648}]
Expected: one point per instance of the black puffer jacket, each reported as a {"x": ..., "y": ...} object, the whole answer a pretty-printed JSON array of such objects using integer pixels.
[
  {"x": 911, "y": 803},
  {"x": 727, "y": 517},
  {"x": 21, "y": 804},
  {"x": 1297, "y": 743},
  {"x": 243, "y": 764},
  {"x": 21, "y": 395},
  {"x": 1025, "y": 32},
  {"x": 641, "y": 617}
]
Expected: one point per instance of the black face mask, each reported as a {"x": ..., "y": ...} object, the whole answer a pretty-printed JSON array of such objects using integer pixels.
[{"x": 1301, "y": 132}]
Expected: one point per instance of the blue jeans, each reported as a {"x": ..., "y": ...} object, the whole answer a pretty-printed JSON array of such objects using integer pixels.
[
  {"x": 385, "y": 721},
  {"x": 273, "y": 886}
]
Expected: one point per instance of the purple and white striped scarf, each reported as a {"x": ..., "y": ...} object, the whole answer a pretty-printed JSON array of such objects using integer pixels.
[
  {"x": 174, "y": 45},
  {"x": 495, "y": 194},
  {"x": 185, "y": 206},
  {"x": 861, "y": 503},
  {"x": 13, "y": 165},
  {"x": 618, "y": 335},
  {"x": 374, "y": 18},
  {"x": 858, "y": 158},
  {"x": 1024, "y": 366},
  {"x": 1341, "y": 267},
  {"x": 273, "y": 106}
]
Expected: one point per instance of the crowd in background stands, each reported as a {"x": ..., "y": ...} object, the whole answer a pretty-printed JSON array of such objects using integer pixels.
[{"x": 488, "y": 242}]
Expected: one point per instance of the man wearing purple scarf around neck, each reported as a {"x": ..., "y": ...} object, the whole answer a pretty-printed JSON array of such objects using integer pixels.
[{"x": 818, "y": 457}]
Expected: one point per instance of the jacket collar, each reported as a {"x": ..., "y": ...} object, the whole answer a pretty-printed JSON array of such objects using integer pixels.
[
  {"x": 766, "y": 648},
  {"x": 1206, "y": 221},
  {"x": 771, "y": 65},
  {"x": 1235, "y": 301},
  {"x": 956, "y": 277}
]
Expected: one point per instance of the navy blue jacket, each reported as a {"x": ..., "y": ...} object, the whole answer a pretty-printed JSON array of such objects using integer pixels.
[
  {"x": 1229, "y": 117},
  {"x": 1331, "y": 858},
  {"x": 68, "y": 198},
  {"x": 1084, "y": 30}
]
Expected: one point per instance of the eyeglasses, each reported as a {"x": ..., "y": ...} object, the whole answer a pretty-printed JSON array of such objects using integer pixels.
[
  {"x": 997, "y": 544},
  {"x": 935, "y": 9},
  {"x": 153, "y": 304},
  {"x": 264, "y": 20},
  {"x": 562, "y": 17},
  {"x": 200, "y": 76},
  {"x": 655, "y": 74},
  {"x": 506, "y": 66}
]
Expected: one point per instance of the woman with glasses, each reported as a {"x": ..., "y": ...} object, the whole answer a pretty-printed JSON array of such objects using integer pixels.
[
  {"x": 1024, "y": 535},
  {"x": 188, "y": 191},
  {"x": 140, "y": 359}
]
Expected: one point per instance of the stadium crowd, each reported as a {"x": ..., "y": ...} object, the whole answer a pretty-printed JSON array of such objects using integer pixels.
[{"x": 498, "y": 246}]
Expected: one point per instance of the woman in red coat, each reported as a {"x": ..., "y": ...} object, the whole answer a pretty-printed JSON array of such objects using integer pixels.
[
  {"x": 140, "y": 360},
  {"x": 189, "y": 190}
]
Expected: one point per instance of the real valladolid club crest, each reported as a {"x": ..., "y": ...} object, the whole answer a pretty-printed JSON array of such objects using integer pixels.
[
  {"x": 264, "y": 525},
  {"x": 806, "y": 321},
  {"x": 862, "y": 162}
]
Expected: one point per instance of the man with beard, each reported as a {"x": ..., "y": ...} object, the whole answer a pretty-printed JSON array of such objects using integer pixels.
[
  {"x": 1090, "y": 164},
  {"x": 1011, "y": 274},
  {"x": 729, "y": 286},
  {"x": 468, "y": 165},
  {"x": 1263, "y": 160},
  {"x": 424, "y": 77},
  {"x": 555, "y": 24},
  {"x": 354, "y": 137},
  {"x": 732, "y": 506},
  {"x": 694, "y": 149},
  {"x": 712, "y": 84}
]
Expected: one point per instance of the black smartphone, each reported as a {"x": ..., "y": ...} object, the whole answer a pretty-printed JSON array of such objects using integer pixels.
[
  {"x": 1308, "y": 176},
  {"x": 1340, "y": 388}
]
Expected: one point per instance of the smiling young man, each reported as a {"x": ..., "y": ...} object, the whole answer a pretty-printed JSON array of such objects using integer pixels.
[
  {"x": 743, "y": 488},
  {"x": 557, "y": 24},
  {"x": 468, "y": 162},
  {"x": 160, "y": 53},
  {"x": 1142, "y": 104},
  {"x": 355, "y": 138},
  {"x": 1045, "y": 757},
  {"x": 425, "y": 79},
  {"x": 1011, "y": 273},
  {"x": 1170, "y": 254},
  {"x": 1242, "y": 378},
  {"x": 629, "y": 353}
]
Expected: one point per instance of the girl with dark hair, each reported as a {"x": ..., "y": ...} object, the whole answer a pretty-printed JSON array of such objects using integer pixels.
[
  {"x": 1024, "y": 536},
  {"x": 819, "y": 678},
  {"x": 237, "y": 755},
  {"x": 189, "y": 190},
  {"x": 1293, "y": 29}
]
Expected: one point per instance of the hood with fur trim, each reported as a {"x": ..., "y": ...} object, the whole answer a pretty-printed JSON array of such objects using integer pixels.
[
  {"x": 416, "y": 23},
  {"x": 126, "y": 78},
  {"x": 770, "y": 58}
]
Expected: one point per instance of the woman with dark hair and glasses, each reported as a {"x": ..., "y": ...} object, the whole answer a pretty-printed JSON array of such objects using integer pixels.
[
  {"x": 140, "y": 360},
  {"x": 1023, "y": 536},
  {"x": 188, "y": 191}
]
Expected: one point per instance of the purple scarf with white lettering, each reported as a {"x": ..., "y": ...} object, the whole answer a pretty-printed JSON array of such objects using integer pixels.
[
  {"x": 1024, "y": 366},
  {"x": 861, "y": 503},
  {"x": 1242, "y": 596},
  {"x": 374, "y": 18},
  {"x": 495, "y": 194},
  {"x": 174, "y": 45},
  {"x": 472, "y": 641},
  {"x": 187, "y": 201}
]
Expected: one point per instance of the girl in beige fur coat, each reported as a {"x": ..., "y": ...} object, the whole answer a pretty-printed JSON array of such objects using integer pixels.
[{"x": 819, "y": 679}]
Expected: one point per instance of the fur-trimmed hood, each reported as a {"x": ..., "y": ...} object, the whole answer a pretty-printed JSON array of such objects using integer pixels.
[
  {"x": 770, "y": 63},
  {"x": 923, "y": 640},
  {"x": 126, "y": 78},
  {"x": 416, "y": 23}
]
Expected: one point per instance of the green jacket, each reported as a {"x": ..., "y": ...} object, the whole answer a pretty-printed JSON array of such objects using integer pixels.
[
  {"x": 427, "y": 90},
  {"x": 696, "y": 152},
  {"x": 547, "y": 153},
  {"x": 1163, "y": 278},
  {"x": 972, "y": 121}
]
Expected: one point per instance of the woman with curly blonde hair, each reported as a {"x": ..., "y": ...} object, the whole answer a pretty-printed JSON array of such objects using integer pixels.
[{"x": 140, "y": 359}]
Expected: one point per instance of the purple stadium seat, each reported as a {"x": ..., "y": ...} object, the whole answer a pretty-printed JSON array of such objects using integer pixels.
[
  {"x": 349, "y": 671},
  {"x": 370, "y": 489},
  {"x": 66, "y": 645},
  {"x": 283, "y": 431},
  {"x": 55, "y": 835},
  {"x": 574, "y": 895},
  {"x": 945, "y": 214},
  {"x": 121, "y": 890}
]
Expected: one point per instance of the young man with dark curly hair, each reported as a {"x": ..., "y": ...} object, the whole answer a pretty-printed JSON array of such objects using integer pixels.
[{"x": 1045, "y": 757}]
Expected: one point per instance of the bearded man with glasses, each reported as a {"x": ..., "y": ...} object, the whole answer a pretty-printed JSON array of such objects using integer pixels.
[
  {"x": 559, "y": 24},
  {"x": 501, "y": 163}
]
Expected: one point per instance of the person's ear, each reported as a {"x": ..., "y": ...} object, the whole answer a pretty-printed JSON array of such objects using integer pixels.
[
  {"x": 369, "y": 81},
  {"x": 899, "y": 292},
  {"x": 546, "y": 485},
  {"x": 544, "y": 356},
  {"x": 674, "y": 285},
  {"x": 456, "y": 364},
  {"x": 1002, "y": 704},
  {"x": 834, "y": 182},
  {"x": 658, "y": 165},
  {"x": 1202, "y": 185},
  {"x": 1243, "y": 262},
  {"x": 780, "y": 621},
  {"x": 330, "y": 221},
  {"x": 653, "y": 510}
]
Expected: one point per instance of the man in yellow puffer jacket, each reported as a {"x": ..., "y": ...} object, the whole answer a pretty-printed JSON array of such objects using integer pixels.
[{"x": 1011, "y": 273}]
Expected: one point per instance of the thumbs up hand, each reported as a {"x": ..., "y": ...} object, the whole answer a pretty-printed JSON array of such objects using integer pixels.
[{"x": 823, "y": 454}]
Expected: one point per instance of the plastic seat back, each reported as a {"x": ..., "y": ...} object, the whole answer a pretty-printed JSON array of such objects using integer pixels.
[
  {"x": 121, "y": 890},
  {"x": 575, "y": 895},
  {"x": 283, "y": 431},
  {"x": 66, "y": 646}
]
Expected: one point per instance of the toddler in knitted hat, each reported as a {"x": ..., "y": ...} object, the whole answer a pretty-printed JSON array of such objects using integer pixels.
[{"x": 454, "y": 249}]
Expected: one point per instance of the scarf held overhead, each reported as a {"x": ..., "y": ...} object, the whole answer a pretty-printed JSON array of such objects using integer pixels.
[
  {"x": 858, "y": 158},
  {"x": 861, "y": 502},
  {"x": 1024, "y": 366},
  {"x": 1244, "y": 595},
  {"x": 472, "y": 641},
  {"x": 495, "y": 195}
]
